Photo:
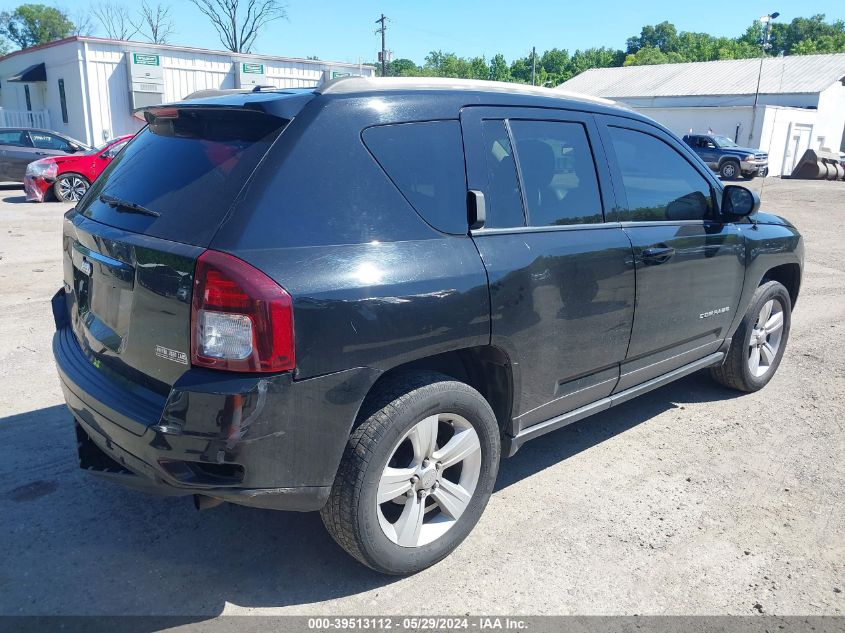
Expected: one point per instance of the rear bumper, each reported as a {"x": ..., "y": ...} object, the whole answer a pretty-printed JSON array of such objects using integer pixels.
[{"x": 265, "y": 441}]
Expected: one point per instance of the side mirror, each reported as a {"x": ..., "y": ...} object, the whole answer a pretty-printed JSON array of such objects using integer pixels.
[
  {"x": 711, "y": 146},
  {"x": 476, "y": 209},
  {"x": 739, "y": 201}
]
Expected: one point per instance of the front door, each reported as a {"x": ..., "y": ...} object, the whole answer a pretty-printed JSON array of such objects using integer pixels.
[
  {"x": 690, "y": 263},
  {"x": 708, "y": 152},
  {"x": 561, "y": 277}
]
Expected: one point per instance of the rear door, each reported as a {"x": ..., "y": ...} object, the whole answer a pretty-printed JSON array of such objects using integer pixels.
[
  {"x": 129, "y": 275},
  {"x": 690, "y": 263},
  {"x": 18, "y": 152},
  {"x": 561, "y": 277}
]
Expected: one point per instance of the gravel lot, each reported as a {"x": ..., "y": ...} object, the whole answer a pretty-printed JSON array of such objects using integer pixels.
[{"x": 689, "y": 500}]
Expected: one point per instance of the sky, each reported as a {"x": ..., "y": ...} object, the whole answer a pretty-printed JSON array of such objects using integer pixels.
[{"x": 342, "y": 30}]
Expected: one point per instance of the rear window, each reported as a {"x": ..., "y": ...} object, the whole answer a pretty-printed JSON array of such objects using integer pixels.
[
  {"x": 187, "y": 167},
  {"x": 425, "y": 161}
]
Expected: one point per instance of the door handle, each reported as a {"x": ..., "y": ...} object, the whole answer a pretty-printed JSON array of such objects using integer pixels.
[{"x": 657, "y": 254}]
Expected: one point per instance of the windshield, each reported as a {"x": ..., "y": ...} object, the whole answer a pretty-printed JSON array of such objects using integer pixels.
[{"x": 724, "y": 141}]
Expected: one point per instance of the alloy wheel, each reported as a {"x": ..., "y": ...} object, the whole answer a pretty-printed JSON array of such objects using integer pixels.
[
  {"x": 765, "y": 338},
  {"x": 429, "y": 480},
  {"x": 73, "y": 188}
]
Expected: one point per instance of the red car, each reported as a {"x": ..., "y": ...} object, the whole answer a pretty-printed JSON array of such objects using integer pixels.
[{"x": 68, "y": 177}]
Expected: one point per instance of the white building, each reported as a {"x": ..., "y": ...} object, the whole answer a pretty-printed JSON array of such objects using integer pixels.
[
  {"x": 88, "y": 87},
  {"x": 782, "y": 105}
]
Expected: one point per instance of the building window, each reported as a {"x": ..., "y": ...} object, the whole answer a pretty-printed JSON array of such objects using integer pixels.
[
  {"x": 62, "y": 100},
  {"x": 28, "y": 99}
]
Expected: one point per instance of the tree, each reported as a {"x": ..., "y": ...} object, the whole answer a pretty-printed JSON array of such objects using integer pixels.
[
  {"x": 4, "y": 46},
  {"x": 811, "y": 34},
  {"x": 238, "y": 22},
  {"x": 83, "y": 24},
  {"x": 601, "y": 57},
  {"x": 663, "y": 36},
  {"x": 652, "y": 55},
  {"x": 404, "y": 68},
  {"x": 440, "y": 64},
  {"x": 116, "y": 20},
  {"x": 520, "y": 70},
  {"x": 156, "y": 24},
  {"x": 34, "y": 24},
  {"x": 499, "y": 70}
]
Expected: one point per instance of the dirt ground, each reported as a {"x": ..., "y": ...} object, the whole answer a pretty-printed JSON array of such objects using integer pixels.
[{"x": 689, "y": 500}]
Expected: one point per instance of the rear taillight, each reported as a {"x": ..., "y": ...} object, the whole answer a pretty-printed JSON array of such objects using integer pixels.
[{"x": 241, "y": 320}]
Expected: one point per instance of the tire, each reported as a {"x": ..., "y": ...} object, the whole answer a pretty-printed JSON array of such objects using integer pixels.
[
  {"x": 397, "y": 419},
  {"x": 729, "y": 170},
  {"x": 738, "y": 370},
  {"x": 70, "y": 187}
]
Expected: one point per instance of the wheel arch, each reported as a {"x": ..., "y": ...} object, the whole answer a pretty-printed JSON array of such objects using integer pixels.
[
  {"x": 73, "y": 173},
  {"x": 485, "y": 368},
  {"x": 789, "y": 275}
]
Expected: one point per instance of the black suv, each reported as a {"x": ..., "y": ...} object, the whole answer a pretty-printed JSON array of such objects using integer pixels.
[
  {"x": 726, "y": 158},
  {"x": 356, "y": 299}
]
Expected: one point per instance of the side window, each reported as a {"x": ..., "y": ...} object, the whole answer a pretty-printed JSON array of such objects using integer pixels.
[
  {"x": 659, "y": 182},
  {"x": 63, "y": 100},
  {"x": 15, "y": 138},
  {"x": 48, "y": 141},
  {"x": 502, "y": 197},
  {"x": 114, "y": 150},
  {"x": 426, "y": 162},
  {"x": 558, "y": 173}
]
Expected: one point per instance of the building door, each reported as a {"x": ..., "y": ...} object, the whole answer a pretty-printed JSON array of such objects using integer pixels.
[{"x": 797, "y": 142}]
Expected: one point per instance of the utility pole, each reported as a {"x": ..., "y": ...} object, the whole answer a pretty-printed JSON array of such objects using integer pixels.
[
  {"x": 533, "y": 64},
  {"x": 383, "y": 21},
  {"x": 765, "y": 45}
]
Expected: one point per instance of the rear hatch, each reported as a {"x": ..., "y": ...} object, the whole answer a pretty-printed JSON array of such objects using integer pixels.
[{"x": 131, "y": 244}]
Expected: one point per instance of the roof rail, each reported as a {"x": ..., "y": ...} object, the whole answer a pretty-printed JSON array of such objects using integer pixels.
[{"x": 347, "y": 85}]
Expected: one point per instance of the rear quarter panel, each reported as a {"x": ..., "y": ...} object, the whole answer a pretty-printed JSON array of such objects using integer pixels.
[{"x": 373, "y": 284}]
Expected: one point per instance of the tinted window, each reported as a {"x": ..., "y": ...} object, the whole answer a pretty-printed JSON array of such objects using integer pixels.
[
  {"x": 558, "y": 173},
  {"x": 15, "y": 138},
  {"x": 502, "y": 197},
  {"x": 48, "y": 141},
  {"x": 426, "y": 162},
  {"x": 188, "y": 168},
  {"x": 659, "y": 182}
]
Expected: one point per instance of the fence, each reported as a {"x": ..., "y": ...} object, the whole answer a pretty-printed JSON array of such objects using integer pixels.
[{"x": 25, "y": 118}]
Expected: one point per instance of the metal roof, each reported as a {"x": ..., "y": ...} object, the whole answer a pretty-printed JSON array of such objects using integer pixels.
[
  {"x": 349, "y": 85},
  {"x": 781, "y": 75}
]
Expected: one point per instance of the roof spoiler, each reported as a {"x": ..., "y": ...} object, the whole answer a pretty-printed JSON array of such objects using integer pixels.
[{"x": 278, "y": 102}]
